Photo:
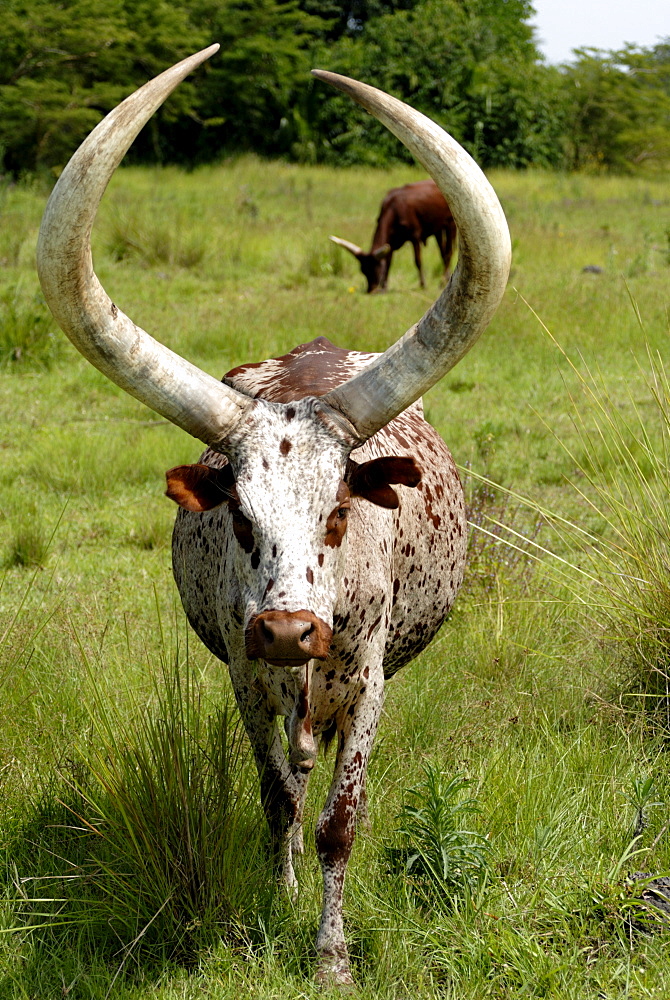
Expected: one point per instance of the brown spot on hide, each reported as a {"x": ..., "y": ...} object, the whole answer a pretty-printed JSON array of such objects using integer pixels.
[
  {"x": 308, "y": 370},
  {"x": 309, "y": 575},
  {"x": 335, "y": 834},
  {"x": 285, "y": 447},
  {"x": 242, "y": 528}
]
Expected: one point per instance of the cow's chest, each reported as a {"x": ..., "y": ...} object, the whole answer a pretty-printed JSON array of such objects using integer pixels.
[{"x": 330, "y": 690}]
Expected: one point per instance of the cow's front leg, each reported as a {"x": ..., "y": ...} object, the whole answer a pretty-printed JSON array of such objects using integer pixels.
[
  {"x": 336, "y": 827},
  {"x": 301, "y": 777},
  {"x": 282, "y": 792},
  {"x": 417, "y": 260}
]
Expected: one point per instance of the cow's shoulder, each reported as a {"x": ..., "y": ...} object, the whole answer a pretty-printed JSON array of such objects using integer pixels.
[{"x": 308, "y": 370}]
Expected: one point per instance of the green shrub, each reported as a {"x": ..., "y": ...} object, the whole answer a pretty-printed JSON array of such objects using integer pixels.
[{"x": 441, "y": 857}]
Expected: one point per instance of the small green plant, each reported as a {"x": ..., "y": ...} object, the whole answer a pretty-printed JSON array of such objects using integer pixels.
[
  {"x": 641, "y": 795},
  {"x": 486, "y": 438},
  {"x": 323, "y": 262},
  {"x": 441, "y": 856}
]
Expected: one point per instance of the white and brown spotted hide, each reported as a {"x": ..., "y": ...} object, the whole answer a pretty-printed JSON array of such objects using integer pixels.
[{"x": 291, "y": 542}]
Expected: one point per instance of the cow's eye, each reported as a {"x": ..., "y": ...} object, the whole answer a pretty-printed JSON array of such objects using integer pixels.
[{"x": 342, "y": 513}]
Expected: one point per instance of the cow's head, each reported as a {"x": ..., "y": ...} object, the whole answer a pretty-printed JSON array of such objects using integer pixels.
[
  {"x": 372, "y": 264},
  {"x": 260, "y": 499},
  {"x": 288, "y": 488}
]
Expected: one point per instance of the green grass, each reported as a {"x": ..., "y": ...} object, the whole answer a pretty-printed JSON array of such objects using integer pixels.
[{"x": 107, "y": 702}]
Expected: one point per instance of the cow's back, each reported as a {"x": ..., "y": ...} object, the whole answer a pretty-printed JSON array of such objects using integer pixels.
[{"x": 419, "y": 209}]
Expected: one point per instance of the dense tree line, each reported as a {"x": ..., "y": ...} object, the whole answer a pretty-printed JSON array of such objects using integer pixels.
[{"x": 472, "y": 65}]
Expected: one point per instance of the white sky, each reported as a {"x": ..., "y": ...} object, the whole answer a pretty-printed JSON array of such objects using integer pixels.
[{"x": 563, "y": 25}]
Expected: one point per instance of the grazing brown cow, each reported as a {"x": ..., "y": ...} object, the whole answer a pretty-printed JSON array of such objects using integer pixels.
[
  {"x": 409, "y": 214},
  {"x": 321, "y": 537}
]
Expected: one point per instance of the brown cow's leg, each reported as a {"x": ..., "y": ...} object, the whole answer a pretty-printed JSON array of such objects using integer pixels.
[
  {"x": 417, "y": 260},
  {"x": 336, "y": 829},
  {"x": 447, "y": 241},
  {"x": 384, "y": 272}
]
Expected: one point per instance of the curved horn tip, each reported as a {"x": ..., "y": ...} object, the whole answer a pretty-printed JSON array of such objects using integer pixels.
[
  {"x": 347, "y": 245},
  {"x": 199, "y": 57},
  {"x": 343, "y": 83}
]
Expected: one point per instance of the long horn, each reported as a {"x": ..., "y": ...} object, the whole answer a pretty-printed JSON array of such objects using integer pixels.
[
  {"x": 152, "y": 373},
  {"x": 454, "y": 322},
  {"x": 346, "y": 245}
]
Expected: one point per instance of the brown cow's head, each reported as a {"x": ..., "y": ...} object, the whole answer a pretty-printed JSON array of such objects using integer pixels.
[{"x": 374, "y": 265}]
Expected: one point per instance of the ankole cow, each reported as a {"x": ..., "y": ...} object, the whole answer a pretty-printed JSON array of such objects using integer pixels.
[
  {"x": 409, "y": 214},
  {"x": 320, "y": 539}
]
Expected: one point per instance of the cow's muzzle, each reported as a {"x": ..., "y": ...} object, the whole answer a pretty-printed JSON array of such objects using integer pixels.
[{"x": 287, "y": 638}]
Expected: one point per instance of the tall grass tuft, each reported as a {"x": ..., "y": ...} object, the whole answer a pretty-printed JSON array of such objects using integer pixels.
[
  {"x": 27, "y": 331},
  {"x": 502, "y": 540},
  {"x": 29, "y": 544},
  {"x": 152, "y": 243},
  {"x": 620, "y": 550},
  {"x": 149, "y": 838}
]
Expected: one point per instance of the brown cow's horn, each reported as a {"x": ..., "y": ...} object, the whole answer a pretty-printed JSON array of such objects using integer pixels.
[
  {"x": 347, "y": 245},
  {"x": 152, "y": 373},
  {"x": 452, "y": 324}
]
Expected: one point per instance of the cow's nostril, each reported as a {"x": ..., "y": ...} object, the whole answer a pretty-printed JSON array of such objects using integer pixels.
[
  {"x": 306, "y": 634},
  {"x": 267, "y": 634}
]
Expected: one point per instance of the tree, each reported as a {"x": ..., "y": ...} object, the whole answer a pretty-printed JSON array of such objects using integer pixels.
[
  {"x": 619, "y": 117},
  {"x": 253, "y": 80},
  {"x": 472, "y": 65},
  {"x": 63, "y": 66}
]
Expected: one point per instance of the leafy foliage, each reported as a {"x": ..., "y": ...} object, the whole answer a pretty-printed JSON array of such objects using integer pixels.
[
  {"x": 440, "y": 856},
  {"x": 618, "y": 109},
  {"x": 472, "y": 65}
]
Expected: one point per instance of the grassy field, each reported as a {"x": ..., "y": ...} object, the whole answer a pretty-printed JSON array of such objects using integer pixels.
[{"x": 122, "y": 880}]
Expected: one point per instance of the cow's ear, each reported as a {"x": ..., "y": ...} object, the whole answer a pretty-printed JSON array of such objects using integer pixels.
[
  {"x": 381, "y": 252},
  {"x": 199, "y": 487},
  {"x": 372, "y": 480}
]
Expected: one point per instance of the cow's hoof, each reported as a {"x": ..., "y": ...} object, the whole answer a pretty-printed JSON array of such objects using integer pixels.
[{"x": 334, "y": 971}]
